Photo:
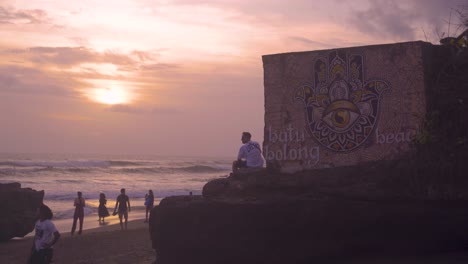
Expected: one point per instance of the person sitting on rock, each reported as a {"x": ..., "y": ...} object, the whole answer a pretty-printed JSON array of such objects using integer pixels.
[{"x": 250, "y": 154}]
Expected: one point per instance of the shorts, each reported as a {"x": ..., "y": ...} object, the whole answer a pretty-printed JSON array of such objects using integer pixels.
[{"x": 124, "y": 213}]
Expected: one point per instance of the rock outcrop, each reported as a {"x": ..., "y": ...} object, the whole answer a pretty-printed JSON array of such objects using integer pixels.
[
  {"x": 303, "y": 228},
  {"x": 264, "y": 217},
  {"x": 18, "y": 209}
]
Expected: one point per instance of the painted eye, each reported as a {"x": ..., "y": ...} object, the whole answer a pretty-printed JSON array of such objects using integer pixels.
[{"x": 340, "y": 115}]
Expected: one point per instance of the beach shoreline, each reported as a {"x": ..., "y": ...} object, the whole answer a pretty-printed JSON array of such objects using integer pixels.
[{"x": 91, "y": 222}]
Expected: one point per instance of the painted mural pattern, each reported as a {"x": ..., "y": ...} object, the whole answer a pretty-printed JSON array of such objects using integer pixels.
[{"x": 341, "y": 106}]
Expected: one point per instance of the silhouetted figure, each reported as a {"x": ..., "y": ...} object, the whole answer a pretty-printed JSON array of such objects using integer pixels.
[
  {"x": 46, "y": 235},
  {"x": 250, "y": 154},
  {"x": 102, "y": 209},
  {"x": 79, "y": 213},
  {"x": 123, "y": 203},
  {"x": 149, "y": 203}
]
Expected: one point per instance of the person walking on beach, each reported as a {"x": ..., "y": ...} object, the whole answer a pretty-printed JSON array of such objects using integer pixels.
[
  {"x": 79, "y": 213},
  {"x": 149, "y": 203},
  {"x": 46, "y": 235},
  {"x": 102, "y": 209},
  {"x": 250, "y": 154},
  {"x": 123, "y": 202}
]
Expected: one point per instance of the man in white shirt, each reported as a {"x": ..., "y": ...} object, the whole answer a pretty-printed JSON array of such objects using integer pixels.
[
  {"x": 46, "y": 236},
  {"x": 250, "y": 154}
]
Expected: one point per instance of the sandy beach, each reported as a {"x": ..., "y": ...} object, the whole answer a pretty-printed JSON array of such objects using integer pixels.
[{"x": 102, "y": 244}]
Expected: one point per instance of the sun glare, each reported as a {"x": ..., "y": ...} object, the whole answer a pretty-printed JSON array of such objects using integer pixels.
[{"x": 111, "y": 95}]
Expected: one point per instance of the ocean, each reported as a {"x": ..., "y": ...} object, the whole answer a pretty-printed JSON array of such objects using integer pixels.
[{"x": 61, "y": 176}]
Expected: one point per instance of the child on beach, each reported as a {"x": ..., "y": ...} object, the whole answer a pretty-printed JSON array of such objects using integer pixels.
[
  {"x": 102, "y": 209},
  {"x": 46, "y": 235}
]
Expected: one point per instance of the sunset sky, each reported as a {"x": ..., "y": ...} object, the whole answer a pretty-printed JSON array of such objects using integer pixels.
[{"x": 182, "y": 77}]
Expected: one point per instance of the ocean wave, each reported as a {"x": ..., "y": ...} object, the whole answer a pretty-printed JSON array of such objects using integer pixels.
[
  {"x": 7, "y": 171},
  {"x": 200, "y": 168},
  {"x": 79, "y": 170},
  {"x": 122, "y": 163},
  {"x": 7, "y": 163},
  {"x": 73, "y": 164},
  {"x": 63, "y": 170},
  {"x": 144, "y": 170},
  {"x": 57, "y": 164},
  {"x": 169, "y": 170}
]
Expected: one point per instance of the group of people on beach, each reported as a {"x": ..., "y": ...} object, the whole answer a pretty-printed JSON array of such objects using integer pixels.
[
  {"x": 46, "y": 234},
  {"x": 122, "y": 208}
]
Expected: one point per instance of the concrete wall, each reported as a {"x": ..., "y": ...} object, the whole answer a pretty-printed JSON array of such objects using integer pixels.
[{"x": 340, "y": 107}]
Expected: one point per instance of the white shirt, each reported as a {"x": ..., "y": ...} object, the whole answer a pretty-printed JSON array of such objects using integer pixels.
[
  {"x": 44, "y": 233},
  {"x": 252, "y": 154}
]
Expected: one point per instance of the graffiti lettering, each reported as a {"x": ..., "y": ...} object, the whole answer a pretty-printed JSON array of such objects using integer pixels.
[
  {"x": 311, "y": 155},
  {"x": 287, "y": 153},
  {"x": 391, "y": 138},
  {"x": 289, "y": 134}
]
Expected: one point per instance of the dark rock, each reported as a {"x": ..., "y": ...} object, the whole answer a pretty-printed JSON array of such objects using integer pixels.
[
  {"x": 216, "y": 187},
  {"x": 18, "y": 209},
  {"x": 300, "y": 230}
]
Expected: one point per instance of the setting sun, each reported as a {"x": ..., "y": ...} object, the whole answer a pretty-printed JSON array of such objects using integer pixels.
[{"x": 111, "y": 95}]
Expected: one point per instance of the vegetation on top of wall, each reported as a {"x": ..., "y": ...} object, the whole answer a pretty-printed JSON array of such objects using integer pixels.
[{"x": 437, "y": 169}]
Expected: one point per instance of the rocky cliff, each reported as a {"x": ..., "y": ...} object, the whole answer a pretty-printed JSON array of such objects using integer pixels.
[{"x": 18, "y": 209}]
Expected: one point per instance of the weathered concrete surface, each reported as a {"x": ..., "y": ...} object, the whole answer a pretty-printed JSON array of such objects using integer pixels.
[
  {"x": 18, "y": 209},
  {"x": 342, "y": 107}
]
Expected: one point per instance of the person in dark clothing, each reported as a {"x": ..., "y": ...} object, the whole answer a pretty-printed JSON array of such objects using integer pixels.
[
  {"x": 79, "y": 213},
  {"x": 123, "y": 203},
  {"x": 102, "y": 209},
  {"x": 149, "y": 203}
]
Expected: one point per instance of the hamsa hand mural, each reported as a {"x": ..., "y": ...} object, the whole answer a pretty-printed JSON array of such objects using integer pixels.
[{"x": 341, "y": 106}]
